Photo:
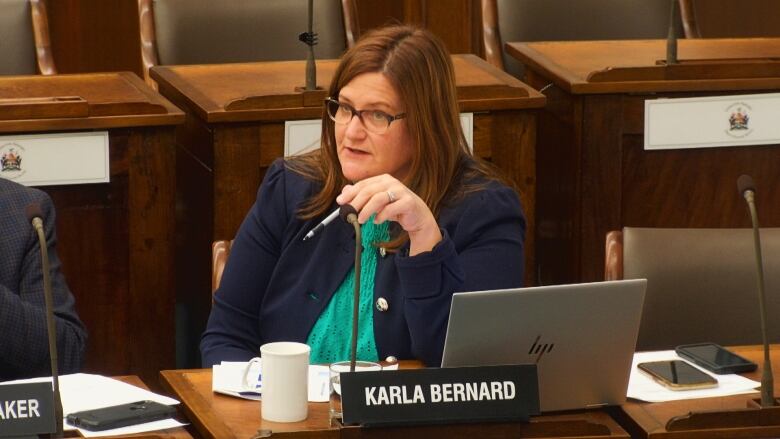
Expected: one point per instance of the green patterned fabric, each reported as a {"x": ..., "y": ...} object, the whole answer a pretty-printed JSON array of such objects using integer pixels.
[{"x": 331, "y": 337}]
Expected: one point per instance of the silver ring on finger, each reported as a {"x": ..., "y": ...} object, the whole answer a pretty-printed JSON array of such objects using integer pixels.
[{"x": 391, "y": 197}]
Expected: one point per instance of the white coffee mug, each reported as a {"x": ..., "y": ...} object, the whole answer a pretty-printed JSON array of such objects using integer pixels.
[{"x": 285, "y": 377}]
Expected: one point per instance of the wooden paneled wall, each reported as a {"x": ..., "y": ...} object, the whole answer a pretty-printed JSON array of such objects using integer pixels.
[{"x": 102, "y": 35}]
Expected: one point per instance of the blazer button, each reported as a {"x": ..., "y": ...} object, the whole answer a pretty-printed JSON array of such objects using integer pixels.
[
  {"x": 381, "y": 304},
  {"x": 391, "y": 360}
]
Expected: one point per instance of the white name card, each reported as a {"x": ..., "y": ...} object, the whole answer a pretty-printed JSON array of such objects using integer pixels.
[
  {"x": 706, "y": 122},
  {"x": 301, "y": 136},
  {"x": 55, "y": 159}
]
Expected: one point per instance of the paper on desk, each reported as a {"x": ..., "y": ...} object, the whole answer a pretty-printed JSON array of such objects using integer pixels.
[
  {"x": 644, "y": 388},
  {"x": 138, "y": 428},
  {"x": 83, "y": 391},
  {"x": 227, "y": 378}
]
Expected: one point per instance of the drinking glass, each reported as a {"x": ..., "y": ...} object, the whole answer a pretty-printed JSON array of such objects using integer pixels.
[{"x": 335, "y": 384}]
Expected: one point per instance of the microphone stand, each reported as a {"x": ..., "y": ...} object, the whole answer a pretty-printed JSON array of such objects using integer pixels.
[
  {"x": 671, "y": 39},
  {"x": 51, "y": 329},
  {"x": 350, "y": 215},
  {"x": 356, "y": 294},
  {"x": 310, "y": 39},
  {"x": 767, "y": 380},
  {"x": 762, "y": 416}
]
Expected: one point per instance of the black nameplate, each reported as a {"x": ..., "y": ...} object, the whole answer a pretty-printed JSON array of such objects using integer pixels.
[
  {"x": 446, "y": 395},
  {"x": 26, "y": 409}
]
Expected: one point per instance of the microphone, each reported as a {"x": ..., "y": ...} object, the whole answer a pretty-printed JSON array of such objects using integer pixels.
[
  {"x": 748, "y": 191},
  {"x": 744, "y": 184},
  {"x": 349, "y": 214},
  {"x": 34, "y": 216}
]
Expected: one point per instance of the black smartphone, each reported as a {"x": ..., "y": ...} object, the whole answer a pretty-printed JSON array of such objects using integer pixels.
[
  {"x": 120, "y": 415},
  {"x": 677, "y": 375},
  {"x": 715, "y": 358}
]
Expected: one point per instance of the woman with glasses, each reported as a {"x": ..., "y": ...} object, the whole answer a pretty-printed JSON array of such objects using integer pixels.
[{"x": 435, "y": 220}]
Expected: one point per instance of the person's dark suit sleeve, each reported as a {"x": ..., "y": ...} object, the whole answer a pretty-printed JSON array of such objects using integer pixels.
[
  {"x": 483, "y": 251},
  {"x": 24, "y": 342},
  {"x": 232, "y": 333}
]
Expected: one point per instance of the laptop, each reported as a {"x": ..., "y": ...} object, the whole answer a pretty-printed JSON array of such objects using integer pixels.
[{"x": 581, "y": 336}]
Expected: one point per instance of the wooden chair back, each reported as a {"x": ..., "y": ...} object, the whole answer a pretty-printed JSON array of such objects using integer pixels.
[
  {"x": 613, "y": 262},
  {"x": 730, "y": 19},
  {"x": 701, "y": 283},
  {"x": 210, "y": 32},
  {"x": 567, "y": 20},
  {"x": 24, "y": 32},
  {"x": 220, "y": 251}
]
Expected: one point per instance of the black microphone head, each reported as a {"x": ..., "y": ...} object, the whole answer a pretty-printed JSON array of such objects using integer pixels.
[
  {"x": 345, "y": 211},
  {"x": 745, "y": 183},
  {"x": 33, "y": 211}
]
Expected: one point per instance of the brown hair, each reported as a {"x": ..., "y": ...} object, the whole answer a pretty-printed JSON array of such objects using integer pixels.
[{"x": 419, "y": 67}]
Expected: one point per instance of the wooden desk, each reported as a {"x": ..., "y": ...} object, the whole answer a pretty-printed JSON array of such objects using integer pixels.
[
  {"x": 115, "y": 239},
  {"x": 648, "y": 420},
  {"x": 169, "y": 433},
  {"x": 593, "y": 174},
  {"x": 220, "y": 416},
  {"x": 235, "y": 129}
]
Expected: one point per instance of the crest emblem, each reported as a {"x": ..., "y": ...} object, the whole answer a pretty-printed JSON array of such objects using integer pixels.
[
  {"x": 11, "y": 160},
  {"x": 739, "y": 120}
]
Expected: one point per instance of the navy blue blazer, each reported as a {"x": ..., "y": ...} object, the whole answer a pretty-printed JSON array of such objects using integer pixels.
[
  {"x": 24, "y": 343},
  {"x": 275, "y": 285}
]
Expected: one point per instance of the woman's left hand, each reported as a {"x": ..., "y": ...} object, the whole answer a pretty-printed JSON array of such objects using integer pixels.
[{"x": 390, "y": 199}]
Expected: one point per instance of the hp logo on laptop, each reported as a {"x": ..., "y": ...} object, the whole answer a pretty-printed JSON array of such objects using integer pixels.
[{"x": 540, "y": 349}]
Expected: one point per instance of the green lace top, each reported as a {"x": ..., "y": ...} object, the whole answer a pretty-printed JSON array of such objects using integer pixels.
[{"x": 331, "y": 337}]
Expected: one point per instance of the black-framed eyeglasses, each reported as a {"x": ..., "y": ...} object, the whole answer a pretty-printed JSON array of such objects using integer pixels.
[{"x": 375, "y": 121}]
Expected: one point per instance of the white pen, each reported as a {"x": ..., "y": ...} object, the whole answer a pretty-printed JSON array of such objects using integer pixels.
[{"x": 322, "y": 225}]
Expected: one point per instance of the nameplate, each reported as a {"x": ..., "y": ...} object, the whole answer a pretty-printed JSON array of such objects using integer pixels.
[
  {"x": 302, "y": 136},
  {"x": 26, "y": 409},
  {"x": 55, "y": 159},
  {"x": 436, "y": 396},
  {"x": 715, "y": 121}
]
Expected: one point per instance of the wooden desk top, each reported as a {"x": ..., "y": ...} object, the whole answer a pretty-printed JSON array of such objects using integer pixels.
[
  {"x": 171, "y": 433},
  {"x": 589, "y": 67},
  {"x": 652, "y": 418},
  {"x": 266, "y": 90},
  {"x": 220, "y": 416},
  {"x": 81, "y": 101}
]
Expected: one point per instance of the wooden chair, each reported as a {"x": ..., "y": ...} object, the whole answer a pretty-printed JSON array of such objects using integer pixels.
[
  {"x": 208, "y": 32},
  {"x": 564, "y": 20},
  {"x": 24, "y": 32},
  {"x": 730, "y": 19},
  {"x": 220, "y": 250},
  {"x": 701, "y": 283}
]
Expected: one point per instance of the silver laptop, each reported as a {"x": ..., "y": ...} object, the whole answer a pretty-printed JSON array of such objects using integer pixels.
[{"x": 582, "y": 337}]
